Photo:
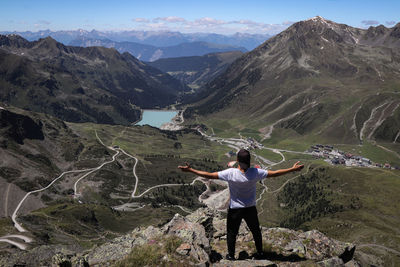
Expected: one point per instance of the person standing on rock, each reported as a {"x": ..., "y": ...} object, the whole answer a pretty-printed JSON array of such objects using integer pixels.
[{"x": 242, "y": 187}]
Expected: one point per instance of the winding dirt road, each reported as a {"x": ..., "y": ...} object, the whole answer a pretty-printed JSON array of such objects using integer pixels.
[
  {"x": 133, "y": 194},
  {"x": 277, "y": 190},
  {"x": 14, "y": 216},
  {"x": 6, "y": 201},
  {"x": 230, "y": 142},
  {"x": 92, "y": 171},
  {"x": 19, "y": 245}
]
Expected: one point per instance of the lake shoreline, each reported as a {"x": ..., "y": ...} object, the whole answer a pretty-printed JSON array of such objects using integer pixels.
[
  {"x": 176, "y": 122},
  {"x": 166, "y": 119}
]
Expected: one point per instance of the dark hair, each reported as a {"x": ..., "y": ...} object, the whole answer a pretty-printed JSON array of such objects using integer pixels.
[{"x": 243, "y": 157}]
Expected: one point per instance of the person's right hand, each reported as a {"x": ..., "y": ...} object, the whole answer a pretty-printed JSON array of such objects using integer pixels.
[
  {"x": 185, "y": 168},
  {"x": 297, "y": 166}
]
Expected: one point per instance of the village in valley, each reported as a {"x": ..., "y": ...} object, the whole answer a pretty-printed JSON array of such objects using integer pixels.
[
  {"x": 336, "y": 157},
  {"x": 329, "y": 153}
]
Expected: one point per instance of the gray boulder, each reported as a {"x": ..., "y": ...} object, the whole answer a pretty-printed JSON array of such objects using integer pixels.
[
  {"x": 192, "y": 233},
  {"x": 120, "y": 247}
]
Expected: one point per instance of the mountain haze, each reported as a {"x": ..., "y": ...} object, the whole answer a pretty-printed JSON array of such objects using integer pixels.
[
  {"x": 197, "y": 70},
  {"x": 151, "y": 53},
  {"x": 317, "y": 77},
  {"x": 155, "y": 38},
  {"x": 80, "y": 84}
]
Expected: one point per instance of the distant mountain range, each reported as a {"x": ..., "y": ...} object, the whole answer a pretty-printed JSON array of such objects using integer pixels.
[
  {"x": 198, "y": 70},
  {"x": 154, "y": 38},
  {"x": 318, "y": 78},
  {"x": 77, "y": 84},
  {"x": 146, "y": 52}
]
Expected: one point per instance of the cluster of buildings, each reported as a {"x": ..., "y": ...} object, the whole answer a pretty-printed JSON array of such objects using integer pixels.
[
  {"x": 247, "y": 143},
  {"x": 252, "y": 144},
  {"x": 335, "y": 157}
]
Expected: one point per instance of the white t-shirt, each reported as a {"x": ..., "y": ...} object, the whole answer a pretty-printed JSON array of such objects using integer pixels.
[{"x": 242, "y": 186}]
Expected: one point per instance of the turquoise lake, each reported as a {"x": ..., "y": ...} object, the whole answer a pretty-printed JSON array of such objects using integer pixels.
[{"x": 156, "y": 118}]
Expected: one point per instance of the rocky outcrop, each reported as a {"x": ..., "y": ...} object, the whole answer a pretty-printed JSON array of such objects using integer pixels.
[
  {"x": 18, "y": 127},
  {"x": 122, "y": 246},
  {"x": 193, "y": 234},
  {"x": 202, "y": 237},
  {"x": 46, "y": 255}
]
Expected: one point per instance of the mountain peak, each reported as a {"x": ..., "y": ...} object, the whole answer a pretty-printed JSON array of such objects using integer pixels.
[
  {"x": 317, "y": 18},
  {"x": 13, "y": 40},
  {"x": 326, "y": 30},
  {"x": 49, "y": 39},
  {"x": 319, "y": 21},
  {"x": 396, "y": 31},
  {"x": 49, "y": 43}
]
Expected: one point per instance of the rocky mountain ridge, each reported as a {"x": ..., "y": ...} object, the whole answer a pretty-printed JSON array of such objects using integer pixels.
[
  {"x": 317, "y": 77},
  {"x": 199, "y": 240},
  {"x": 78, "y": 84}
]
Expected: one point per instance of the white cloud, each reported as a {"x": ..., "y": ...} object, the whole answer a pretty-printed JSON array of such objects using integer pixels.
[
  {"x": 141, "y": 20},
  {"x": 246, "y": 22},
  {"x": 171, "y": 19},
  {"x": 370, "y": 22},
  {"x": 392, "y": 22},
  {"x": 207, "y": 21},
  {"x": 208, "y": 24}
]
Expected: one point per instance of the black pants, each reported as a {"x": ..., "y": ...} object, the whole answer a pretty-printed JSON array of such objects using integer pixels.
[{"x": 234, "y": 219}]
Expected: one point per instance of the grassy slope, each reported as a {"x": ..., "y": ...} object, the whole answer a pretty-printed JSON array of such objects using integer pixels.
[
  {"x": 378, "y": 189},
  {"x": 66, "y": 221},
  {"x": 140, "y": 140},
  {"x": 376, "y": 221},
  {"x": 290, "y": 140},
  {"x": 373, "y": 194}
]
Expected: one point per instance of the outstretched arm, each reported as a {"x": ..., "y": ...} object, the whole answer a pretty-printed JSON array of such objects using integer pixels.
[
  {"x": 296, "y": 167},
  {"x": 208, "y": 175}
]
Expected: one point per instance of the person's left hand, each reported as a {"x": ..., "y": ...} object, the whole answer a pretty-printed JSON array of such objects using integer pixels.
[{"x": 185, "y": 168}]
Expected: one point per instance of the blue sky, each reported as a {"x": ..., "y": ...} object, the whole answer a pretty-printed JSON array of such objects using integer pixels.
[{"x": 220, "y": 16}]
